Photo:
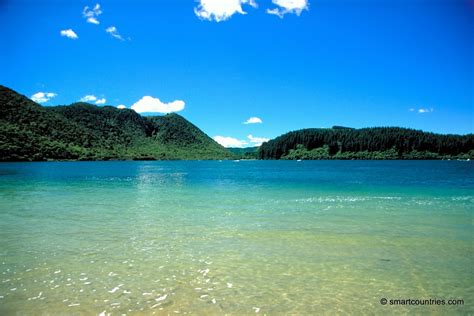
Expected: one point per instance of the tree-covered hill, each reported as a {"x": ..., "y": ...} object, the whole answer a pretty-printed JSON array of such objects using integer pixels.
[
  {"x": 174, "y": 129},
  {"x": 107, "y": 123},
  {"x": 367, "y": 143},
  {"x": 245, "y": 153},
  {"x": 29, "y": 131}
]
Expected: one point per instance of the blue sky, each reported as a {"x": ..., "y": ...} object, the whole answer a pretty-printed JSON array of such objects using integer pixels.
[{"x": 290, "y": 63}]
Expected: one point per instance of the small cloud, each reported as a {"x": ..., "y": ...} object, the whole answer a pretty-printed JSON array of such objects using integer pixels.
[
  {"x": 150, "y": 104},
  {"x": 257, "y": 141},
  {"x": 91, "y": 14},
  {"x": 42, "y": 97},
  {"x": 288, "y": 6},
  {"x": 253, "y": 120},
  {"x": 112, "y": 30},
  {"x": 88, "y": 98},
  {"x": 239, "y": 143},
  {"x": 252, "y": 3},
  {"x": 121, "y": 107},
  {"x": 93, "y": 20},
  {"x": 425, "y": 110},
  {"x": 274, "y": 11},
  {"x": 230, "y": 141},
  {"x": 69, "y": 33},
  {"x": 422, "y": 110},
  {"x": 101, "y": 101},
  {"x": 221, "y": 10}
]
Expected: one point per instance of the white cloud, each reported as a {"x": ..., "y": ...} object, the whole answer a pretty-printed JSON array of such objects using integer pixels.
[
  {"x": 425, "y": 110},
  {"x": 421, "y": 110},
  {"x": 253, "y": 120},
  {"x": 239, "y": 143},
  {"x": 121, "y": 107},
  {"x": 93, "y": 20},
  {"x": 288, "y": 6},
  {"x": 150, "y": 104},
  {"x": 252, "y": 3},
  {"x": 257, "y": 141},
  {"x": 91, "y": 14},
  {"x": 221, "y": 10},
  {"x": 41, "y": 97},
  {"x": 101, "y": 101},
  {"x": 69, "y": 33},
  {"x": 112, "y": 30},
  {"x": 88, "y": 98},
  {"x": 230, "y": 141}
]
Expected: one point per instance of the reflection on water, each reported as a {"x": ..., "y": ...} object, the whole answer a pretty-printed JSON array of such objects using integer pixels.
[{"x": 247, "y": 238}]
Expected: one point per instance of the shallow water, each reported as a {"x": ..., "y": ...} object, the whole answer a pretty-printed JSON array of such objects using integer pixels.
[{"x": 254, "y": 237}]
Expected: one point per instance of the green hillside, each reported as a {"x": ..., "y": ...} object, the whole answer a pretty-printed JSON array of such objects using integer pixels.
[
  {"x": 82, "y": 131},
  {"x": 367, "y": 143},
  {"x": 245, "y": 153},
  {"x": 29, "y": 131}
]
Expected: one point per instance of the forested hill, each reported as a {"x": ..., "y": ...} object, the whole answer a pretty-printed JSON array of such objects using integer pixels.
[
  {"x": 367, "y": 143},
  {"x": 245, "y": 153},
  {"x": 29, "y": 131}
]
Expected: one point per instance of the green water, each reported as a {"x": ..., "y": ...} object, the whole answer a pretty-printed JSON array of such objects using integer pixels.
[{"x": 239, "y": 238}]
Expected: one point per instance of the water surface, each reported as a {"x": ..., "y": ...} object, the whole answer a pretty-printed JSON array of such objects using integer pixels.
[{"x": 249, "y": 237}]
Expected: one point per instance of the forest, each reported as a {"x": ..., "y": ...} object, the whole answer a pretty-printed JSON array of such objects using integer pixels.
[
  {"x": 82, "y": 131},
  {"x": 367, "y": 143}
]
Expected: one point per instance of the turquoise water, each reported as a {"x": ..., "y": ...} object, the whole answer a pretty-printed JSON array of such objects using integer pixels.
[{"x": 239, "y": 238}]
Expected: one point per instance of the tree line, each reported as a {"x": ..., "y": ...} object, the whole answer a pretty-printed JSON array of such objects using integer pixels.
[{"x": 367, "y": 143}]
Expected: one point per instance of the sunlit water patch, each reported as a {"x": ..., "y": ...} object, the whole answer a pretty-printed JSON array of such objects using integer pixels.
[{"x": 235, "y": 238}]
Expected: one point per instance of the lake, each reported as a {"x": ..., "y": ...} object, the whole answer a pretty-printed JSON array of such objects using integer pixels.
[{"x": 242, "y": 238}]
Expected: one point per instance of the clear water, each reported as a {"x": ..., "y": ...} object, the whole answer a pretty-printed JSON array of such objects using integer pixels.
[{"x": 250, "y": 237}]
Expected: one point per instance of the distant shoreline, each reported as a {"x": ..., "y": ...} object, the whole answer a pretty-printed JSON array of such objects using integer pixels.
[
  {"x": 87, "y": 132},
  {"x": 231, "y": 160}
]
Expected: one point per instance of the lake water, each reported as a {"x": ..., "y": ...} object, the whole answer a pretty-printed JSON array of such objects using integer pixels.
[{"x": 241, "y": 238}]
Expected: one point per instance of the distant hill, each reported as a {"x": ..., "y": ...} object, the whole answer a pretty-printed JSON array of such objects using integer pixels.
[
  {"x": 29, "y": 131},
  {"x": 245, "y": 153},
  {"x": 82, "y": 131},
  {"x": 367, "y": 143},
  {"x": 341, "y": 127}
]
